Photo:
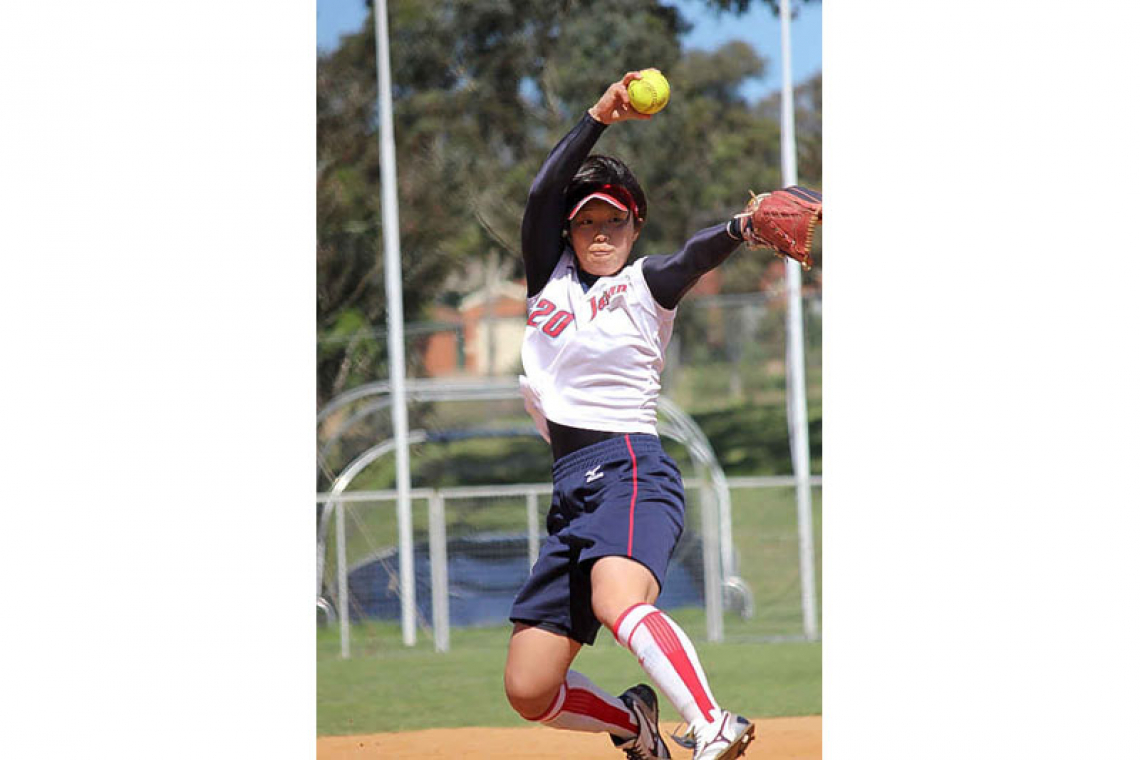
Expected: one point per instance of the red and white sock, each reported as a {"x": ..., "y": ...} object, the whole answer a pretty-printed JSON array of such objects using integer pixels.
[
  {"x": 582, "y": 706},
  {"x": 667, "y": 655}
]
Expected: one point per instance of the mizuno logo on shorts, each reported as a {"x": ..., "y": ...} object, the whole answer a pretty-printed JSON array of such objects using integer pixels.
[{"x": 593, "y": 474}]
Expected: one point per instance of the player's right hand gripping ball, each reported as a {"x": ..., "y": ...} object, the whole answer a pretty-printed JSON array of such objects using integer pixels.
[
  {"x": 650, "y": 93},
  {"x": 783, "y": 221}
]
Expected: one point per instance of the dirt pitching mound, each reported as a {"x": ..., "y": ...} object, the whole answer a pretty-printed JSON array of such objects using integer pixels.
[{"x": 777, "y": 739}]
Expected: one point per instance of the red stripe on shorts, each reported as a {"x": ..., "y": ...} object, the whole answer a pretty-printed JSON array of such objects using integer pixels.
[
  {"x": 662, "y": 632},
  {"x": 583, "y": 702},
  {"x": 632, "y": 499}
]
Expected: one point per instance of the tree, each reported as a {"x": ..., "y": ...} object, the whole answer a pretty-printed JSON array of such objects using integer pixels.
[
  {"x": 741, "y": 6},
  {"x": 481, "y": 92}
]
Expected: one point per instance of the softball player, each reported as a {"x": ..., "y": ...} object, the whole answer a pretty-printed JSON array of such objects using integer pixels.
[{"x": 597, "y": 329}]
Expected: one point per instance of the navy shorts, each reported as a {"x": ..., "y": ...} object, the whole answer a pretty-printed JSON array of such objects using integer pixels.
[{"x": 622, "y": 497}]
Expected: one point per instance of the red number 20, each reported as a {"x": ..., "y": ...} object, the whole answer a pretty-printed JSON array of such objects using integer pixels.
[{"x": 556, "y": 324}]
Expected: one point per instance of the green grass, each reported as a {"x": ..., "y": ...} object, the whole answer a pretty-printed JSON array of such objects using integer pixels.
[
  {"x": 765, "y": 533},
  {"x": 388, "y": 687}
]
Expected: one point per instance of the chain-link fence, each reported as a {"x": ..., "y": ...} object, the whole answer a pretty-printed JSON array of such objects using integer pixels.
[
  {"x": 473, "y": 548},
  {"x": 480, "y": 467}
]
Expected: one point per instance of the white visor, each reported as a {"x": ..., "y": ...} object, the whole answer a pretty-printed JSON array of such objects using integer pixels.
[{"x": 597, "y": 196}]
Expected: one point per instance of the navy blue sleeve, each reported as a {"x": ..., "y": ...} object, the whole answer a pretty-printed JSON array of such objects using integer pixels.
[
  {"x": 670, "y": 277},
  {"x": 542, "y": 220}
]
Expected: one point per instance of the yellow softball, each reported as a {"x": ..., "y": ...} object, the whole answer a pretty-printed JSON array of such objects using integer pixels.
[{"x": 650, "y": 93}]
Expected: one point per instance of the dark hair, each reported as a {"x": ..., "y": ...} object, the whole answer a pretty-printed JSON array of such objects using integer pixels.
[{"x": 598, "y": 171}]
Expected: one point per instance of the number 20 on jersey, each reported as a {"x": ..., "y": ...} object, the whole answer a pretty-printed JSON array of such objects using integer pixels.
[{"x": 555, "y": 324}]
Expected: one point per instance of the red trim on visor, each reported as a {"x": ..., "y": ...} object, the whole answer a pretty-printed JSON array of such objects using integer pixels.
[
  {"x": 615, "y": 195},
  {"x": 597, "y": 196}
]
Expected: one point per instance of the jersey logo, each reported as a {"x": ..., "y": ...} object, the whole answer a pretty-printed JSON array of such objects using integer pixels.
[
  {"x": 592, "y": 474},
  {"x": 597, "y": 303}
]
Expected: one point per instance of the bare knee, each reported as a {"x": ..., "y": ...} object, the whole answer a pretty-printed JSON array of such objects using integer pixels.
[
  {"x": 609, "y": 607},
  {"x": 618, "y": 584},
  {"x": 537, "y": 661},
  {"x": 529, "y": 696}
]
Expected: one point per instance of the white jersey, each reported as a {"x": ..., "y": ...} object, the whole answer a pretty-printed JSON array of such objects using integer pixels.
[{"x": 593, "y": 359}]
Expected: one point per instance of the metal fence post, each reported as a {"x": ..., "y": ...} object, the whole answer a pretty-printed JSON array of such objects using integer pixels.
[
  {"x": 807, "y": 562},
  {"x": 437, "y": 551},
  {"x": 532, "y": 526},
  {"x": 342, "y": 579},
  {"x": 710, "y": 539}
]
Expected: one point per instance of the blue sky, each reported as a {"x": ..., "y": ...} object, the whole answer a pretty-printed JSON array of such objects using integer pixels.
[{"x": 758, "y": 26}]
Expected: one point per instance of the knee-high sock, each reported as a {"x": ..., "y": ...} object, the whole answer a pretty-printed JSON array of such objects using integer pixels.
[
  {"x": 581, "y": 706},
  {"x": 667, "y": 655}
]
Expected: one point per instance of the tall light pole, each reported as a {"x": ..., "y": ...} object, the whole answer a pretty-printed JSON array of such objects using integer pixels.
[
  {"x": 393, "y": 280},
  {"x": 796, "y": 382}
]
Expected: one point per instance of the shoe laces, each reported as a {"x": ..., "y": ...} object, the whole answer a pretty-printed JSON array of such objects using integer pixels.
[
  {"x": 633, "y": 749},
  {"x": 688, "y": 740}
]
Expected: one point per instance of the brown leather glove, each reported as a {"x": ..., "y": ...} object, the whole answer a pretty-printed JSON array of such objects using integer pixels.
[{"x": 783, "y": 221}]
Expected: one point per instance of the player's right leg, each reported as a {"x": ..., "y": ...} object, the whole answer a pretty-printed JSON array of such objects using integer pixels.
[
  {"x": 624, "y": 593},
  {"x": 630, "y": 537},
  {"x": 668, "y": 656},
  {"x": 541, "y": 687}
]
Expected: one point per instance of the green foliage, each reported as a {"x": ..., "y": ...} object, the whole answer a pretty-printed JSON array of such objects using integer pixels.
[
  {"x": 485, "y": 462},
  {"x": 481, "y": 92},
  {"x": 749, "y": 437},
  {"x": 473, "y": 462},
  {"x": 753, "y": 439},
  {"x": 740, "y": 6},
  {"x": 808, "y": 99}
]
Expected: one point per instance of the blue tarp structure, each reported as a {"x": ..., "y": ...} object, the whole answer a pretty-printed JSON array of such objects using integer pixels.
[{"x": 484, "y": 572}]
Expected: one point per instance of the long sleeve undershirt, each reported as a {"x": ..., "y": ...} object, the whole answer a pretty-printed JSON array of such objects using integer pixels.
[
  {"x": 669, "y": 276},
  {"x": 542, "y": 225}
]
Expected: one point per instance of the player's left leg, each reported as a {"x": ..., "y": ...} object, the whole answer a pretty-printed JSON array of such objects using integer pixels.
[
  {"x": 537, "y": 663},
  {"x": 623, "y": 595}
]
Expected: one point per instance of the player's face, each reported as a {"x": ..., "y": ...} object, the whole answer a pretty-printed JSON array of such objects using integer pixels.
[{"x": 602, "y": 237}]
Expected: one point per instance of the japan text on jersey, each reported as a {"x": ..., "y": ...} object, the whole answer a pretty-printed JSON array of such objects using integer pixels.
[
  {"x": 593, "y": 359},
  {"x": 547, "y": 317}
]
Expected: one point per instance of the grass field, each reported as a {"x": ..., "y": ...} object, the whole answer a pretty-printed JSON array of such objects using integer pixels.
[
  {"x": 388, "y": 687},
  {"x": 765, "y": 533},
  {"x": 385, "y": 686}
]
